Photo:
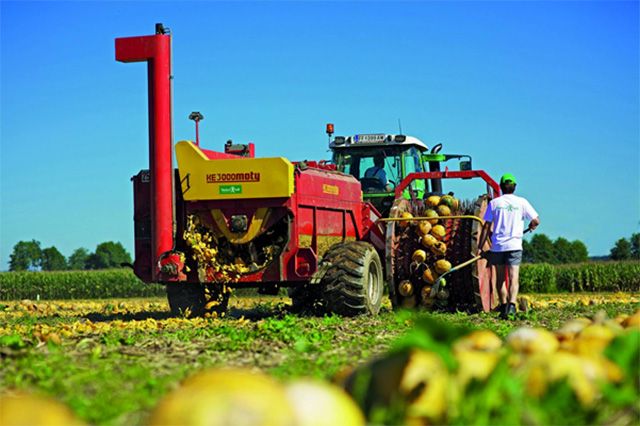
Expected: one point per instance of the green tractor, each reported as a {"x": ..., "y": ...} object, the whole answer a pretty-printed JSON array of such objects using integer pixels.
[
  {"x": 382, "y": 161},
  {"x": 402, "y": 178}
]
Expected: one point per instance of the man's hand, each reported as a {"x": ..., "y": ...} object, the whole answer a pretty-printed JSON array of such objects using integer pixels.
[{"x": 534, "y": 224}]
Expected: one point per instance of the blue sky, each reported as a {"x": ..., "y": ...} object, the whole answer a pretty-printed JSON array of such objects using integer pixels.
[{"x": 548, "y": 91}]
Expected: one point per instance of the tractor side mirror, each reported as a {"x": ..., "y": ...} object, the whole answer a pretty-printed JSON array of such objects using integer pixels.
[{"x": 465, "y": 165}]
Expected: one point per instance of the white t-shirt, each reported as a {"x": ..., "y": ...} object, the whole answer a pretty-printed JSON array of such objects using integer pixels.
[{"x": 508, "y": 214}]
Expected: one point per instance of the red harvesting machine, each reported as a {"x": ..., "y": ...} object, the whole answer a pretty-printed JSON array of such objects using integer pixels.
[{"x": 229, "y": 219}]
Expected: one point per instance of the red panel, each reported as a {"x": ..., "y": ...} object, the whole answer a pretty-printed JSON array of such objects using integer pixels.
[
  {"x": 486, "y": 291},
  {"x": 467, "y": 174},
  {"x": 350, "y": 226},
  {"x": 304, "y": 220},
  {"x": 156, "y": 51},
  {"x": 136, "y": 49},
  {"x": 330, "y": 222},
  {"x": 316, "y": 187}
]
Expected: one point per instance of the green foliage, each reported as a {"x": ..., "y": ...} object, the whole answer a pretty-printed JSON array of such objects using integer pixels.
[
  {"x": 538, "y": 278},
  {"x": 433, "y": 335},
  {"x": 562, "y": 250},
  {"x": 485, "y": 401},
  {"x": 74, "y": 285},
  {"x": 53, "y": 260},
  {"x": 624, "y": 350},
  {"x": 621, "y": 250},
  {"x": 542, "y": 250},
  {"x": 635, "y": 245},
  {"x": 626, "y": 249},
  {"x": 599, "y": 276},
  {"x": 579, "y": 252},
  {"x": 590, "y": 276},
  {"x": 108, "y": 255},
  {"x": 26, "y": 256},
  {"x": 78, "y": 259},
  {"x": 527, "y": 252},
  {"x": 534, "y": 278}
]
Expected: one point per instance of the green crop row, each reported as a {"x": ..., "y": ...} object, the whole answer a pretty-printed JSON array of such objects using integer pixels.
[
  {"x": 534, "y": 278},
  {"x": 99, "y": 284},
  {"x": 579, "y": 277}
]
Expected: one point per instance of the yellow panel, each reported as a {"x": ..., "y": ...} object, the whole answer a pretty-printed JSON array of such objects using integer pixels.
[{"x": 205, "y": 179}]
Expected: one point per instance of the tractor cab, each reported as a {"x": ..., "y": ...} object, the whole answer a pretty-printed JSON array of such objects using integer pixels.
[{"x": 380, "y": 162}]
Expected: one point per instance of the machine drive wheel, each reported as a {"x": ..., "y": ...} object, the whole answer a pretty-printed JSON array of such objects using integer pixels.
[
  {"x": 354, "y": 282},
  {"x": 192, "y": 300}
]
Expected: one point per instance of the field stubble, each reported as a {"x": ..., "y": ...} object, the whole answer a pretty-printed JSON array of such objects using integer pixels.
[{"x": 112, "y": 360}]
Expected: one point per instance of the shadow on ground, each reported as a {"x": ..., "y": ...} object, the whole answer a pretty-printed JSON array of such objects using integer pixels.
[
  {"x": 138, "y": 316},
  {"x": 254, "y": 313}
]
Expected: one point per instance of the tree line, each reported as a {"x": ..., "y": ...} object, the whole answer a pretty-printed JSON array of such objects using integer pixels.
[
  {"x": 626, "y": 249},
  {"x": 541, "y": 249},
  {"x": 30, "y": 256}
]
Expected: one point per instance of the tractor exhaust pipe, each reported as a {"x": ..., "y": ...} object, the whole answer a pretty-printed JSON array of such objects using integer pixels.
[
  {"x": 156, "y": 51},
  {"x": 434, "y": 166}
]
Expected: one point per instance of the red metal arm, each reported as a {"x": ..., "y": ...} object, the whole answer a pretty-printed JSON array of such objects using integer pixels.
[
  {"x": 466, "y": 174},
  {"x": 156, "y": 51}
]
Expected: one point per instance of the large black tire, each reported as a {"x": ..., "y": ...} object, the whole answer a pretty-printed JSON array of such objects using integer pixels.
[
  {"x": 191, "y": 300},
  {"x": 354, "y": 282}
]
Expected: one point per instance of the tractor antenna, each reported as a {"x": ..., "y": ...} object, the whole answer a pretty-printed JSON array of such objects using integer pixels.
[{"x": 400, "y": 126}]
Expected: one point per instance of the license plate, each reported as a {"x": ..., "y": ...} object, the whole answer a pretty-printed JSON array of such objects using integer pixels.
[{"x": 373, "y": 138}]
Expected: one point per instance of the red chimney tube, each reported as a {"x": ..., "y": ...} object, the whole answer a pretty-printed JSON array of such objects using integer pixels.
[{"x": 156, "y": 51}]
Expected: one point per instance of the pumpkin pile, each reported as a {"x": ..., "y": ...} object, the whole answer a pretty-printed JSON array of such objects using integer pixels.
[{"x": 428, "y": 242}]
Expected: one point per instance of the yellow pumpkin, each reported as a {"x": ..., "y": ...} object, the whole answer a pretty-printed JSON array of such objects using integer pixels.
[{"x": 442, "y": 266}]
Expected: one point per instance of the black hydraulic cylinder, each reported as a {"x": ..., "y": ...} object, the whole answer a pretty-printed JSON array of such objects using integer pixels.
[{"x": 436, "y": 184}]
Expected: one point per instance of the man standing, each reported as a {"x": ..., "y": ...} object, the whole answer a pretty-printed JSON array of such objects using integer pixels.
[{"x": 507, "y": 215}]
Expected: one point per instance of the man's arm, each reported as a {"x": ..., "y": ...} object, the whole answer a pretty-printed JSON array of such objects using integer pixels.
[
  {"x": 534, "y": 223},
  {"x": 486, "y": 231},
  {"x": 531, "y": 213}
]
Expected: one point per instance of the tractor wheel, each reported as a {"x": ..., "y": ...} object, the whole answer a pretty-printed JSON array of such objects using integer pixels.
[
  {"x": 193, "y": 300},
  {"x": 354, "y": 282}
]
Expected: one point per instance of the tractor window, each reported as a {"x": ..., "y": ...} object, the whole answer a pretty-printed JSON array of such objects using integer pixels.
[
  {"x": 412, "y": 164},
  {"x": 362, "y": 166}
]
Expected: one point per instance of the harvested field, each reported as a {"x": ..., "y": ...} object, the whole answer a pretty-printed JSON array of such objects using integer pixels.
[{"x": 112, "y": 360}]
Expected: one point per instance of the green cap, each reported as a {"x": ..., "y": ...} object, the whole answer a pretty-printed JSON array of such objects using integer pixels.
[{"x": 508, "y": 177}]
